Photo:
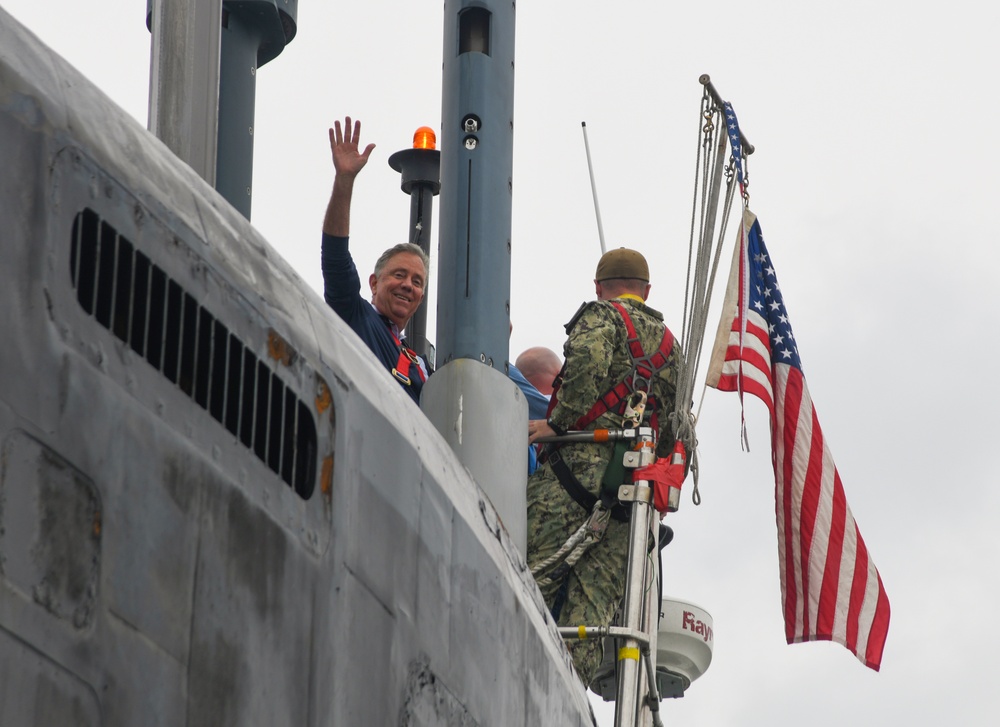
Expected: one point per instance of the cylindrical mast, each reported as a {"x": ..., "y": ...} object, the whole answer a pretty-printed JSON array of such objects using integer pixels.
[
  {"x": 477, "y": 152},
  {"x": 477, "y": 409},
  {"x": 203, "y": 82},
  {"x": 184, "y": 79}
]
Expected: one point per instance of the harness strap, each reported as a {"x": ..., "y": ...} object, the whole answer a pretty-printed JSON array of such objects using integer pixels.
[
  {"x": 643, "y": 369},
  {"x": 580, "y": 494},
  {"x": 407, "y": 357}
]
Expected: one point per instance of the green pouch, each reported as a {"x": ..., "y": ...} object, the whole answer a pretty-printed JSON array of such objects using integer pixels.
[{"x": 614, "y": 475}]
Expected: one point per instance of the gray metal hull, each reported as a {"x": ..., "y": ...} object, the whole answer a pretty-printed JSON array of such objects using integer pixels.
[{"x": 215, "y": 508}]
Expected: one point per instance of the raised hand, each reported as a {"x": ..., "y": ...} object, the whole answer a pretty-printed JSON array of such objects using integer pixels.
[{"x": 347, "y": 160}]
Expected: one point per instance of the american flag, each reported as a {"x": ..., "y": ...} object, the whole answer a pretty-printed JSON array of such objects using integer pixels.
[
  {"x": 733, "y": 132},
  {"x": 830, "y": 588}
]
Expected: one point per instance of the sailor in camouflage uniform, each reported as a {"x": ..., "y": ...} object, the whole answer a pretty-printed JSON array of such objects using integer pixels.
[{"x": 597, "y": 358}]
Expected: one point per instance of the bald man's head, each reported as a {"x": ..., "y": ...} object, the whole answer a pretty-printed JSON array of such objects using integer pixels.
[{"x": 540, "y": 366}]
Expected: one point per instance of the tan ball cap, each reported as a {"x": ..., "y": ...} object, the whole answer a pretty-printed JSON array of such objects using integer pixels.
[{"x": 622, "y": 263}]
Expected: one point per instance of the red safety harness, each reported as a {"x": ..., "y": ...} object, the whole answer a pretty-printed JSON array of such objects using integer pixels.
[
  {"x": 644, "y": 368},
  {"x": 407, "y": 357}
]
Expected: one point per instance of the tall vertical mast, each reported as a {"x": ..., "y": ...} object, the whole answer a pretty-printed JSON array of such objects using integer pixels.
[
  {"x": 475, "y": 407},
  {"x": 477, "y": 152},
  {"x": 202, "y": 86},
  {"x": 184, "y": 79}
]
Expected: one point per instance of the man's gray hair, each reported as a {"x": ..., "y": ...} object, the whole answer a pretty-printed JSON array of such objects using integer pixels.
[{"x": 395, "y": 250}]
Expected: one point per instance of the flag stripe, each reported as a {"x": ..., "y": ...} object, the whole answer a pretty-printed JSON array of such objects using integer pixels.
[
  {"x": 846, "y": 575},
  {"x": 859, "y": 593},
  {"x": 830, "y": 587},
  {"x": 798, "y": 408},
  {"x": 753, "y": 360},
  {"x": 879, "y": 627},
  {"x": 811, "y": 520},
  {"x": 833, "y": 518},
  {"x": 754, "y": 382},
  {"x": 783, "y": 431}
]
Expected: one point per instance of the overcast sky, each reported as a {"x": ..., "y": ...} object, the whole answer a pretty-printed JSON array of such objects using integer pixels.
[{"x": 874, "y": 181}]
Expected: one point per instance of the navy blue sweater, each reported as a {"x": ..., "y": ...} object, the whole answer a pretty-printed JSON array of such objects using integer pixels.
[{"x": 342, "y": 290}]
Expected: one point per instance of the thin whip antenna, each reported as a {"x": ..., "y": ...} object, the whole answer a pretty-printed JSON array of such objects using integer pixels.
[{"x": 593, "y": 188}]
